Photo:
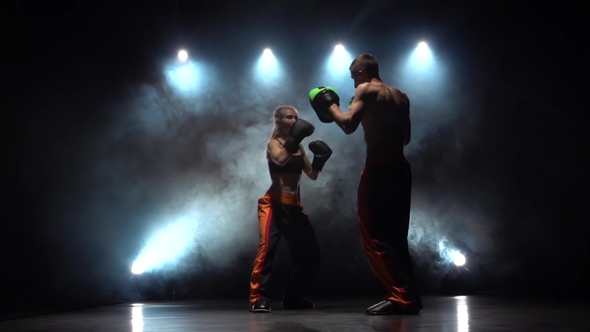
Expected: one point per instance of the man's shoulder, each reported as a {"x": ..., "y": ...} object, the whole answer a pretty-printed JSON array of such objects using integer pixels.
[
  {"x": 394, "y": 89},
  {"x": 363, "y": 86},
  {"x": 370, "y": 88},
  {"x": 379, "y": 86},
  {"x": 399, "y": 92},
  {"x": 404, "y": 96}
]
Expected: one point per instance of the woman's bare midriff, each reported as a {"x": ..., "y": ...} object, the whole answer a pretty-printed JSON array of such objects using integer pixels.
[{"x": 286, "y": 184}]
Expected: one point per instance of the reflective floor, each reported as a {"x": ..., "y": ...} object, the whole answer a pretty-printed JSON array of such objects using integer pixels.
[{"x": 471, "y": 313}]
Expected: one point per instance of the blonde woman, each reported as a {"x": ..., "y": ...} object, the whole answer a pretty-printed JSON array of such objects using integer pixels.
[{"x": 280, "y": 213}]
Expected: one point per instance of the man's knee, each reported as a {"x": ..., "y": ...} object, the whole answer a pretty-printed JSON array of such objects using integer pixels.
[
  {"x": 316, "y": 259},
  {"x": 312, "y": 253}
]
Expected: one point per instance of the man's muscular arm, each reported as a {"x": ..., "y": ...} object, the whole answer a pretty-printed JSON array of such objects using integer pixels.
[
  {"x": 350, "y": 120},
  {"x": 408, "y": 134}
]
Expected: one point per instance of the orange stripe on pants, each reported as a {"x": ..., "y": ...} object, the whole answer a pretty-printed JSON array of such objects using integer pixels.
[
  {"x": 383, "y": 210},
  {"x": 265, "y": 217}
]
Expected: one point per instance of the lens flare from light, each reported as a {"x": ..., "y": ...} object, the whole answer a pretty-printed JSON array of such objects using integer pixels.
[{"x": 184, "y": 77}]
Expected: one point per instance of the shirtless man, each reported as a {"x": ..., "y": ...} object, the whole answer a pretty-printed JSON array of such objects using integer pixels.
[
  {"x": 385, "y": 187},
  {"x": 280, "y": 213}
]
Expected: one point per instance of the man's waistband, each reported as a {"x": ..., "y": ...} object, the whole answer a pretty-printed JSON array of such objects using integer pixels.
[{"x": 381, "y": 159}]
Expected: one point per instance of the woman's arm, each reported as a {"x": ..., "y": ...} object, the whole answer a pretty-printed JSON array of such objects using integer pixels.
[
  {"x": 277, "y": 153},
  {"x": 307, "y": 169}
]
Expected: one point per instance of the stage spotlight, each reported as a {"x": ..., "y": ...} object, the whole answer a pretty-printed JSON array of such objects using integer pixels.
[
  {"x": 450, "y": 254},
  {"x": 422, "y": 47},
  {"x": 268, "y": 66},
  {"x": 166, "y": 246},
  {"x": 182, "y": 55},
  {"x": 421, "y": 58},
  {"x": 138, "y": 267},
  {"x": 339, "y": 62},
  {"x": 458, "y": 258}
]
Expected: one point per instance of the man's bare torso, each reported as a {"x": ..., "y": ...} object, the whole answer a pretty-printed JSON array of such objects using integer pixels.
[{"x": 385, "y": 121}]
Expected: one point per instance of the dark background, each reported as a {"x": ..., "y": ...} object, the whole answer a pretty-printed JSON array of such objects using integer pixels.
[{"x": 520, "y": 173}]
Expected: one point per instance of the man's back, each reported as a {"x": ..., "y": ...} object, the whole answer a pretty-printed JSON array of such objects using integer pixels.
[{"x": 386, "y": 120}]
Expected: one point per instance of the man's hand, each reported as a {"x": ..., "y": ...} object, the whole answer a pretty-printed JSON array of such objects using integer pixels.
[{"x": 321, "y": 99}]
